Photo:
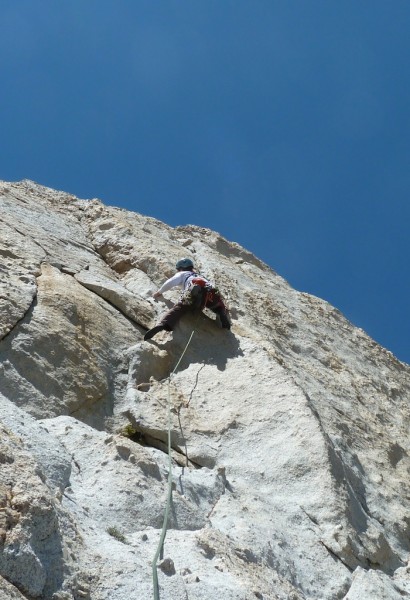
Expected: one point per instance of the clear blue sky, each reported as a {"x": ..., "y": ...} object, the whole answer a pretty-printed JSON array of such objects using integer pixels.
[{"x": 282, "y": 124}]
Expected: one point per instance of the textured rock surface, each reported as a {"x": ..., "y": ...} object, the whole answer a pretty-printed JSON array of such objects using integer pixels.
[{"x": 289, "y": 434}]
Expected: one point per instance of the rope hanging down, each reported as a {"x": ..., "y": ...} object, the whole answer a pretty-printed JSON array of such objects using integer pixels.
[{"x": 169, "y": 495}]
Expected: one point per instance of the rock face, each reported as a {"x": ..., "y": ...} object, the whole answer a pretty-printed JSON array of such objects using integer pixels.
[{"x": 289, "y": 434}]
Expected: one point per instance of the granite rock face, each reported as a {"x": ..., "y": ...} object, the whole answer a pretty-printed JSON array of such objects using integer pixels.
[{"x": 289, "y": 434}]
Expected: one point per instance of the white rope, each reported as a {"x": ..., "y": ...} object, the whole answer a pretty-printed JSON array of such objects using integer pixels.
[{"x": 169, "y": 495}]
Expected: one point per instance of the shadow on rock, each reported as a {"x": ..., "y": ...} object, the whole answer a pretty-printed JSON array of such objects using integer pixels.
[{"x": 209, "y": 344}]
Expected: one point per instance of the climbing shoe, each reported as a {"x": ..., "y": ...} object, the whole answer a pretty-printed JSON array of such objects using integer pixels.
[
  {"x": 223, "y": 322},
  {"x": 151, "y": 332}
]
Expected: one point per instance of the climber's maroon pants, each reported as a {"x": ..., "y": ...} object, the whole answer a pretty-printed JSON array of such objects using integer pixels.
[{"x": 171, "y": 318}]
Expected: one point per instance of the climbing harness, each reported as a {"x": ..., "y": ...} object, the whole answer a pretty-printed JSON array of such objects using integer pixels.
[{"x": 169, "y": 494}]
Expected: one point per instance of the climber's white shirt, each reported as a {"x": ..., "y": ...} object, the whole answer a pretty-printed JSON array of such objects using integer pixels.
[{"x": 182, "y": 278}]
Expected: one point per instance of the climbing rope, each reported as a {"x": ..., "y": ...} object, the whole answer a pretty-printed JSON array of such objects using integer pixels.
[{"x": 169, "y": 494}]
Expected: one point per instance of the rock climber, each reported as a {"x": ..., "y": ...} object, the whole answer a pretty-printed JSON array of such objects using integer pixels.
[{"x": 197, "y": 293}]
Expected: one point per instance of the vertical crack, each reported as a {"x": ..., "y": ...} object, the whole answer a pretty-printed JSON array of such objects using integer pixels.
[{"x": 17, "y": 323}]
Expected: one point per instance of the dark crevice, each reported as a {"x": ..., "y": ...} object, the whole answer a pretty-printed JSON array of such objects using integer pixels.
[
  {"x": 186, "y": 406},
  {"x": 89, "y": 247},
  {"x": 30, "y": 309},
  {"x": 76, "y": 463},
  {"x": 86, "y": 405},
  {"x": 182, "y": 435},
  {"x": 194, "y": 387},
  {"x": 142, "y": 437},
  {"x": 312, "y": 519},
  {"x": 336, "y": 556}
]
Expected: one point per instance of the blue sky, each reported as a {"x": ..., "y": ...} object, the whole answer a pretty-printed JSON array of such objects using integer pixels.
[{"x": 282, "y": 124}]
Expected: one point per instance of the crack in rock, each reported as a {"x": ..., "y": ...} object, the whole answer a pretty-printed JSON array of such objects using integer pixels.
[{"x": 30, "y": 309}]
